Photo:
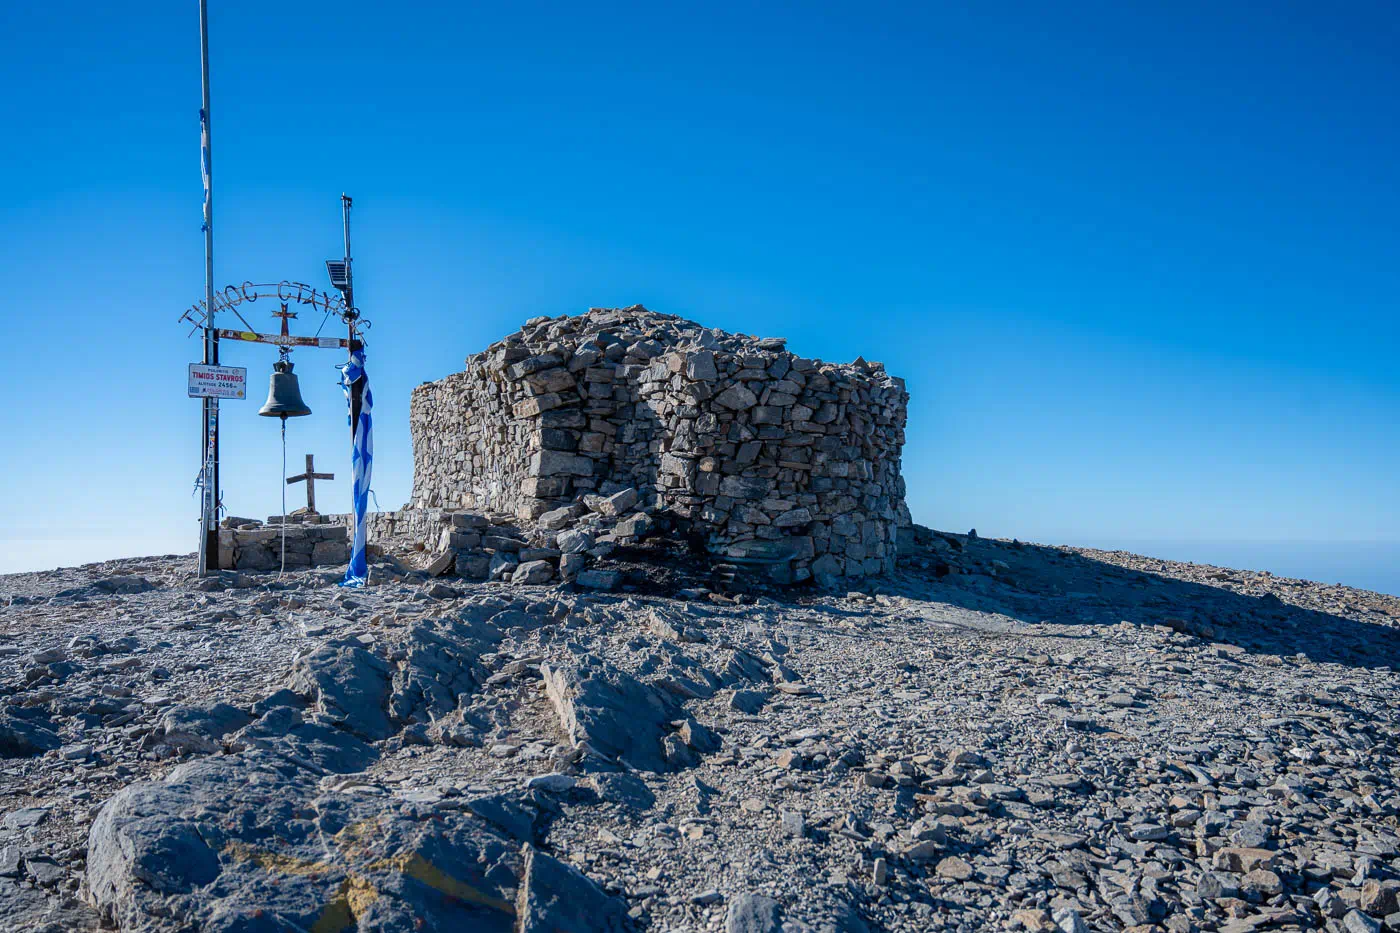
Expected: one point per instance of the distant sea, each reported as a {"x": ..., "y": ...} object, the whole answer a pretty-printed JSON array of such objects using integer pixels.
[{"x": 1367, "y": 565}]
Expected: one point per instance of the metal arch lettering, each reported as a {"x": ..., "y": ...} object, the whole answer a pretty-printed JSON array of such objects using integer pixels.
[
  {"x": 291, "y": 292},
  {"x": 231, "y": 296}
]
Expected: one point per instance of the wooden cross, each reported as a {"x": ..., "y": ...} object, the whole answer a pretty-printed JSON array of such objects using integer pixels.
[{"x": 310, "y": 476}]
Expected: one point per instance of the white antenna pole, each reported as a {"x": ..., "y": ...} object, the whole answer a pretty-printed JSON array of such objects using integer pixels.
[
  {"x": 345, "y": 202},
  {"x": 209, "y": 522}
]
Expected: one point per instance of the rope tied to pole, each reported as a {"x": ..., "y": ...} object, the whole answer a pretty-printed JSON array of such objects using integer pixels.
[{"x": 283, "y": 568}]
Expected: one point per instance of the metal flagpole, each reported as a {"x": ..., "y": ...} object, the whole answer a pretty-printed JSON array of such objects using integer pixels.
[
  {"x": 361, "y": 403},
  {"x": 345, "y": 202},
  {"x": 209, "y": 518},
  {"x": 351, "y": 315}
]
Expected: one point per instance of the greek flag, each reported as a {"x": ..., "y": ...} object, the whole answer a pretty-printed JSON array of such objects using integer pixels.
[
  {"x": 357, "y": 396},
  {"x": 204, "y": 160}
]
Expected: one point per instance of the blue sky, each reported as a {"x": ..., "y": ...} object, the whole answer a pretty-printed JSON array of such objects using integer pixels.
[{"x": 1138, "y": 262}]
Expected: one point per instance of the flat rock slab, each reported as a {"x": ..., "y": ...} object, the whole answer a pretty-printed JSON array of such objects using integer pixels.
[
  {"x": 25, "y": 817},
  {"x": 348, "y": 684},
  {"x": 21, "y": 738},
  {"x": 609, "y": 712},
  {"x": 558, "y": 898}
]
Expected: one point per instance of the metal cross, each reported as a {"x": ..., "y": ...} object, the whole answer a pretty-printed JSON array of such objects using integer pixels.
[
  {"x": 310, "y": 476},
  {"x": 285, "y": 315}
]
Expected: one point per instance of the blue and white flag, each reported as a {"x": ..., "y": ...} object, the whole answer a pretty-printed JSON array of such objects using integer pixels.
[
  {"x": 204, "y": 161},
  {"x": 356, "y": 383}
]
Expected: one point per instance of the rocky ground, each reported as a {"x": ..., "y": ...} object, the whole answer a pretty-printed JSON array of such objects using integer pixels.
[{"x": 999, "y": 736}]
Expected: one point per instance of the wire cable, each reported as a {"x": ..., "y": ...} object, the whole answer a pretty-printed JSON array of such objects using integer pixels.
[
  {"x": 323, "y": 322},
  {"x": 284, "y": 498}
]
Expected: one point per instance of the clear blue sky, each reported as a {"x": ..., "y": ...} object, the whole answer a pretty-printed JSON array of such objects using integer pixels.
[{"x": 1138, "y": 262}]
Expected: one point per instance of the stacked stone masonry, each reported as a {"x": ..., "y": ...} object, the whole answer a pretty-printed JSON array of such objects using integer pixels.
[
  {"x": 765, "y": 454},
  {"x": 245, "y": 544}
]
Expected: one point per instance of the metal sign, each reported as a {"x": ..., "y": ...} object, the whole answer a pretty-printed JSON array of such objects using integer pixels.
[
  {"x": 218, "y": 381},
  {"x": 292, "y": 292},
  {"x": 282, "y": 340}
]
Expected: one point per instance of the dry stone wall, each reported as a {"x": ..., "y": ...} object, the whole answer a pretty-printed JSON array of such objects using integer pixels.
[
  {"x": 765, "y": 454},
  {"x": 245, "y": 544}
]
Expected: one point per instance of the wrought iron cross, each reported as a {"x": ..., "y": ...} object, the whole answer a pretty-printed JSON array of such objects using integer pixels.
[
  {"x": 310, "y": 476},
  {"x": 285, "y": 315}
]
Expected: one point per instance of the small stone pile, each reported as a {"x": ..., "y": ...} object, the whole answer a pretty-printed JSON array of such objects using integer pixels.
[
  {"x": 769, "y": 457},
  {"x": 559, "y": 546}
]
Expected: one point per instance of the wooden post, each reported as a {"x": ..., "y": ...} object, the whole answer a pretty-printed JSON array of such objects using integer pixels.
[{"x": 310, "y": 476}]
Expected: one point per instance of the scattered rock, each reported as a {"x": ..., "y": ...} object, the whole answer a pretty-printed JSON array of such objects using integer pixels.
[
  {"x": 753, "y": 913},
  {"x": 915, "y": 777},
  {"x": 954, "y": 869}
]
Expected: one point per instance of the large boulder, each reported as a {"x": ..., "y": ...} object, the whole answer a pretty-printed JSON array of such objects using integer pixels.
[{"x": 245, "y": 843}]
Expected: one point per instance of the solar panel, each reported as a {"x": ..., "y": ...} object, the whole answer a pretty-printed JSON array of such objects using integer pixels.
[{"x": 340, "y": 277}]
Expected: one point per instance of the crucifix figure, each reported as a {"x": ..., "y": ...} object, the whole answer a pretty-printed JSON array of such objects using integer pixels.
[{"x": 310, "y": 476}]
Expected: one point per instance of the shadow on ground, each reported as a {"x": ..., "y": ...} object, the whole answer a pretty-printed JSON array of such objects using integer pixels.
[{"x": 1034, "y": 583}]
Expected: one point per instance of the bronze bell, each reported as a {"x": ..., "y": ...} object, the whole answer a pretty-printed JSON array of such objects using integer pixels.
[{"x": 283, "y": 393}]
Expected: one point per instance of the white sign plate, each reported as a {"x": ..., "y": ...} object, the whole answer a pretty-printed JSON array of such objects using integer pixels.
[{"x": 218, "y": 381}]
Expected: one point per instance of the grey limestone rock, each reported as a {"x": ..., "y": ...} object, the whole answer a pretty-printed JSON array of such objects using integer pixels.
[
  {"x": 748, "y": 701},
  {"x": 229, "y": 840},
  {"x": 605, "y": 580},
  {"x": 619, "y": 503},
  {"x": 575, "y": 542},
  {"x": 199, "y": 728},
  {"x": 1357, "y": 922},
  {"x": 347, "y": 684},
  {"x": 21, "y": 737},
  {"x": 736, "y": 398},
  {"x": 533, "y": 572},
  {"x": 509, "y": 812},
  {"x": 610, "y": 713},
  {"x": 558, "y": 898},
  {"x": 624, "y": 790}
]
